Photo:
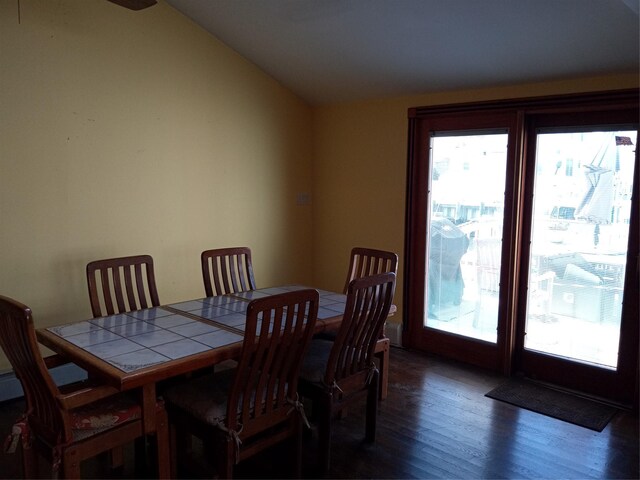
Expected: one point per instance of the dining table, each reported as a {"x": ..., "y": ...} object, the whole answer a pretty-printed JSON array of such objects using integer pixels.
[{"x": 136, "y": 350}]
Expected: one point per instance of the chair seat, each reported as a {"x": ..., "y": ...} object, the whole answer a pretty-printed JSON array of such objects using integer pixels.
[
  {"x": 102, "y": 415},
  {"x": 204, "y": 398},
  {"x": 315, "y": 361},
  {"x": 381, "y": 351}
]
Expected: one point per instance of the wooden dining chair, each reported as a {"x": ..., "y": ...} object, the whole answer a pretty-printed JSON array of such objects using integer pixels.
[
  {"x": 227, "y": 270},
  {"x": 240, "y": 412},
  {"x": 69, "y": 424},
  {"x": 120, "y": 285},
  {"x": 364, "y": 262},
  {"x": 337, "y": 373}
]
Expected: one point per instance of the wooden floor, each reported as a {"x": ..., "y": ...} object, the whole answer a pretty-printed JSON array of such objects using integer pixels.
[{"x": 437, "y": 423}]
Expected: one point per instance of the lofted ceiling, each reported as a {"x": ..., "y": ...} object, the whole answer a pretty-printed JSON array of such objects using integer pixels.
[{"x": 329, "y": 51}]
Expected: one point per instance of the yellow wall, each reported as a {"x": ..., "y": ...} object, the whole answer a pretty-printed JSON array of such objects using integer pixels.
[
  {"x": 126, "y": 132},
  {"x": 137, "y": 132},
  {"x": 359, "y": 169}
]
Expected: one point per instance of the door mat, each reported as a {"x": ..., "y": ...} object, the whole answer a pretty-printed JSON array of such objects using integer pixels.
[{"x": 554, "y": 403}]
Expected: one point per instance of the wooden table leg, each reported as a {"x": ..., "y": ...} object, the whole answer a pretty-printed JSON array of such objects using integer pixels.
[
  {"x": 149, "y": 408},
  {"x": 382, "y": 352}
]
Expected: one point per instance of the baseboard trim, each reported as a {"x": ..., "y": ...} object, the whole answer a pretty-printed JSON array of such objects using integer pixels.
[{"x": 10, "y": 387}]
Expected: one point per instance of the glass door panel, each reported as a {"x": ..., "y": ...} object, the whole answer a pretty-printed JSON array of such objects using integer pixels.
[
  {"x": 579, "y": 238},
  {"x": 466, "y": 209}
]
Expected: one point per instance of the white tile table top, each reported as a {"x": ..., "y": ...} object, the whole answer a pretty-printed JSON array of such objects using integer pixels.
[{"x": 143, "y": 338}]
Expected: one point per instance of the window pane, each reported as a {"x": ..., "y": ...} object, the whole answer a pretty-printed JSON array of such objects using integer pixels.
[
  {"x": 465, "y": 233},
  {"x": 580, "y": 230}
]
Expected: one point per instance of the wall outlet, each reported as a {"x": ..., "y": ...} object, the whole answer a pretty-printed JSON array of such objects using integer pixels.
[
  {"x": 303, "y": 198},
  {"x": 394, "y": 333}
]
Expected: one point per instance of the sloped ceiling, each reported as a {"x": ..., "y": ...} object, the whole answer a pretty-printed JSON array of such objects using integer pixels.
[{"x": 329, "y": 51}]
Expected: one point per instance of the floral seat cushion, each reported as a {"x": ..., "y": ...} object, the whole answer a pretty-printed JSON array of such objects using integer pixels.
[{"x": 97, "y": 417}]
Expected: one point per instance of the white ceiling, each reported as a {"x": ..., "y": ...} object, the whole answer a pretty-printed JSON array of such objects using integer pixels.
[{"x": 342, "y": 50}]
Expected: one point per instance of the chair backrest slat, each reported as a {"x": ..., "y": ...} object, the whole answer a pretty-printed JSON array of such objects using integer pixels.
[
  {"x": 365, "y": 262},
  {"x": 142, "y": 298},
  {"x": 124, "y": 271},
  {"x": 277, "y": 333},
  {"x": 227, "y": 270},
  {"x": 19, "y": 343},
  {"x": 106, "y": 291},
  {"x": 369, "y": 300},
  {"x": 138, "y": 291},
  {"x": 119, "y": 292}
]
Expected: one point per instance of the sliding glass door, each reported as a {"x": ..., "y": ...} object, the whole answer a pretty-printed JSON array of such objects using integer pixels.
[
  {"x": 578, "y": 317},
  {"x": 457, "y": 235},
  {"x": 522, "y": 238},
  {"x": 580, "y": 232},
  {"x": 466, "y": 213}
]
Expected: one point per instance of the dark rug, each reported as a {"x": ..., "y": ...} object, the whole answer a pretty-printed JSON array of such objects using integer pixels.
[{"x": 554, "y": 403}]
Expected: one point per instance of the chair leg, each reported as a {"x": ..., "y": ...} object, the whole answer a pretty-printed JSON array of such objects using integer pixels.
[
  {"x": 324, "y": 433},
  {"x": 173, "y": 450},
  {"x": 227, "y": 459},
  {"x": 372, "y": 409},
  {"x": 30, "y": 462},
  {"x": 70, "y": 463},
  {"x": 181, "y": 445},
  {"x": 162, "y": 446},
  {"x": 140, "y": 456},
  {"x": 117, "y": 457},
  {"x": 297, "y": 448}
]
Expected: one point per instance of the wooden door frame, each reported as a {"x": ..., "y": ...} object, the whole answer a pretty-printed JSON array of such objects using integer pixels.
[{"x": 477, "y": 352}]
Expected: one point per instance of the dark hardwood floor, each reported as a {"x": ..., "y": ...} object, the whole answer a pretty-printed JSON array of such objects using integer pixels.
[{"x": 437, "y": 423}]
